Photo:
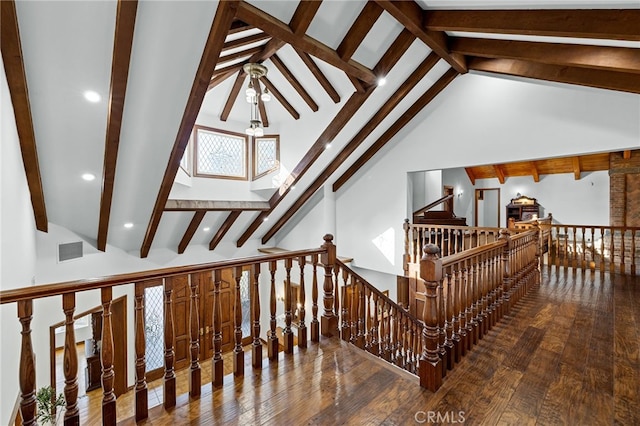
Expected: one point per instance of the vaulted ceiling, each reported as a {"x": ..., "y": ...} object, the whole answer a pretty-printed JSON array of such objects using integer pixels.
[{"x": 163, "y": 66}]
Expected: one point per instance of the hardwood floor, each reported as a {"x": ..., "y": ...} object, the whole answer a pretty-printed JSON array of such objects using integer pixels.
[{"x": 569, "y": 353}]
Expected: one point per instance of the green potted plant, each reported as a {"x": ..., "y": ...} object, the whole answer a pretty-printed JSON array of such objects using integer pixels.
[{"x": 48, "y": 405}]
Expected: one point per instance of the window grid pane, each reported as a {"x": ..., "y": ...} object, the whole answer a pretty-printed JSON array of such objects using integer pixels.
[
  {"x": 221, "y": 154},
  {"x": 266, "y": 155},
  {"x": 154, "y": 327}
]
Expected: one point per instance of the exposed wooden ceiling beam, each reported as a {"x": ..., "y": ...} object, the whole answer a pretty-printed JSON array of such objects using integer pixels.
[
  {"x": 191, "y": 230},
  {"x": 219, "y": 78},
  {"x": 17, "y": 82},
  {"x": 241, "y": 54},
  {"x": 275, "y": 59},
  {"x": 357, "y": 84},
  {"x": 224, "y": 228},
  {"x": 411, "y": 15},
  {"x": 348, "y": 110},
  {"x": 356, "y": 141},
  {"x": 122, "y": 42},
  {"x": 213, "y": 205},
  {"x": 499, "y": 173},
  {"x": 617, "y": 24},
  {"x": 238, "y": 26},
  {"x": 359, "y": 30},
  {"x": 576, "y": 167},
  {"x": 228, "y": 69},
  {"x": 219, "y": 28},
  {"x": 319, "y": 75},
  {"x": 621, "y": 81},
  {"x": 575, "y": 55},
  {"x": 235, "y": 90},
  {"x": 280, "y": 97},
  {"x": 534, "y": 172},
  {"x": 408, "y": 115},
  {"x": 394, "y": 53},
  {"x": 626, "y": 154},
  {"x": 261, "y": 106},
  {"x": 243, "y": 41},
  {"x": 280, "y": 30},
  {"x": 470, "y": 174}
]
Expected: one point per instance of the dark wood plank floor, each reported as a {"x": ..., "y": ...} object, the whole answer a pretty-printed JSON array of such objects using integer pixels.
[{"x": 567, "y": 354}]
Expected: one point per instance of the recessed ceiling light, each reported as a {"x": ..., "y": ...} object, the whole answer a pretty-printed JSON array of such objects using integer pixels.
[
  {"x": 92, "y": 96},
  {"x": 88, "y": 177},
  {"x": 207, "y": 229},
  {"x": 128, "y": 225},
  {"x": 382, "y": 81}
]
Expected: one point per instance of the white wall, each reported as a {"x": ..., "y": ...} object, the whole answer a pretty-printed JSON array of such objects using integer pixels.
[
  {"x": 479, "y": 120},
  {"x": 17, "y": 246}
]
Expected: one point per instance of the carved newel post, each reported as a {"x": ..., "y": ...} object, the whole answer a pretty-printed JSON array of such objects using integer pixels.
[
  {"x": 328, "y": 321},
  {"x": 430, "y": 368}
]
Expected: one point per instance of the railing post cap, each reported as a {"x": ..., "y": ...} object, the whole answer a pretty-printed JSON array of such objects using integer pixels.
[
  {"x": 328, "y": 238},
  {"x": 431, "y": 251},
  {"x": 505, "y": 233}
]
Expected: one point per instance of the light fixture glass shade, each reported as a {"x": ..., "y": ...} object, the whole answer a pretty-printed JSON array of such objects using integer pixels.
[
  {"x": 266, "y": 96},
  {"x": 259, "y": 132},
  {"x": 250, "y": 92},
  {"x": 250, "y": 131}
]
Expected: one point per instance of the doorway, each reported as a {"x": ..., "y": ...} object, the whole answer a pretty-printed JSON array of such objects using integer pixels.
[{"x": 487, "y": 207}]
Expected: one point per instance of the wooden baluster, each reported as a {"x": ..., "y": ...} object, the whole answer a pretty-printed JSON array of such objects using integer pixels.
[
  {"x": 141, "y": 392},
  {"x": 383, "y": 329},
  {"x": 273, "y": 345},
  {"x": 574, "y": 257},
  {"x": 557, "y": 249},
  {"x": 329, "y": 321},
  {"x": 623, "y": 268},
  {"x": 71, "y": 414},
  {"x": 302, "y": 327},
  {"x": 462, "y": 318},
  {"x": 584, "y": 251},
  {"x": 345, "y": 329},
  {"x": 195, "y": 373},
  {"x": 482, "y": 297},
  {"x": 238, "y": 351},
  {"x": 361, "y": 311},
  {"x": 475, "y": 291},
  {"x": 375, "y": 344},
  {"x": 108, "y": 397},
  {"x": 566, "y": 247},
  {"x": 393, "y": 321},
  {"x": 430, "y": 370},
  {"x": 406, "y": 258},
  {"x": 217, "y": 364},
  {"x": 457, "y": 294},
  {"x": 612, "y": 252},
  {"x": 353, "y": 311},
  {"x": 592, "y": 264},
  {"x": 287, "y": 334},
  {"x": 633, "y": 252},
  {"x": 602, "y": 257},
  {"x": 315, "y": 324},
  {"x": 493, "y": 296},
  {"x": 388, "y": 331},
  {"x": 27, "y": 365},
  {"x": 366, "y": 332},
  {"x": 256, "y": 347},
  {"x": 169, "y": 354},
  {"x": 336, "y": 299},
  {"x": 442, "y": 311},
  {"x": 448, "y": 319}
]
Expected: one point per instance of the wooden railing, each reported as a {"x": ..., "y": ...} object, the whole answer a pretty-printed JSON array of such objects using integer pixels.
[
  {"x": 308, "y": 262},
  {"x": 613, "y": 249},
  {"x": 373, "y": 322},
  {"x": 467, "y": 293}
]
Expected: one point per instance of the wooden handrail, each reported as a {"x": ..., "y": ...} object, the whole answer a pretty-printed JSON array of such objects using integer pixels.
[
  {"x": 46, "y": 290},
  {"x": 433, "y": 204}
]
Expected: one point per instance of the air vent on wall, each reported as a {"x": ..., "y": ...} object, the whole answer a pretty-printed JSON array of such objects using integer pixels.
[{"x": 69, "y": 251}]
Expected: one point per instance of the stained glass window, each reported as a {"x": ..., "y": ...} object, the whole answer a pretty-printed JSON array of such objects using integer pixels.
[
  {"x": 154, "y": 327},
  {"x": 221, "y": 154},
  {"x": 266, "y": 155}
]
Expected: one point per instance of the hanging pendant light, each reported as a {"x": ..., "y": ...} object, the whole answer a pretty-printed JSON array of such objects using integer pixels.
[{"x": 255, "y": 72}]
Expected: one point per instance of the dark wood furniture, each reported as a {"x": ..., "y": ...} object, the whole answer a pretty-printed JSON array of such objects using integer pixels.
[
  {"x": 93, "y": 371},
  {"x": 439, "y": 217},
  {"x": 523, "y": 208}
]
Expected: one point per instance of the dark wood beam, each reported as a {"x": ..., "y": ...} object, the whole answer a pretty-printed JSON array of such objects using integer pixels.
[
  {"x": 359, "y": 30},
  {"x": 238, "y": 26},
  {"x": 621, "y": 81},
  {"x": 214, "y": 206},
  {"x": 394, "y": 53},
  {"x": 235, "y": 90},
  {"x": 228, "y": 69},
  {"x": 243, "y": 41},
  {"x": 122, "y": 42},
  {"x": 386, "y": 108},
  {"x": 261, "y": 106},
  {"x": 280, "y": 97},
  {"x": 348, "y": 110},
  {"x": 618, "y": 24},
  {"x": 221, "y": 23},
  {"x": 534, "y": 172},
  {"x": 275, "y": 59},
  {"x": 242, "y": 54},
  {"x": 411, "y": 15},
  {"x": 220, "y": 78},
  {"x": 319, "y": 75},
  {"x": 17, "y": 82},
  {"x": 626, "y": 154},
  {"x": 575, "y": 161},
  {"x": 499, "y": 173},
  {"x": 469, "y": 170},
  {"x": 357, "y": 84},
  {"x": 191, "y": 230},
  {"x": 229, "y": 221},
  {"x": 409, "y": 114},
  {"x": 599, "y": 57},
  {"x": 282, "y": 31}
]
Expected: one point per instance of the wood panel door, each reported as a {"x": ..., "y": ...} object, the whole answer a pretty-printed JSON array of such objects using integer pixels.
[{"x": 181, "y": 301}]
